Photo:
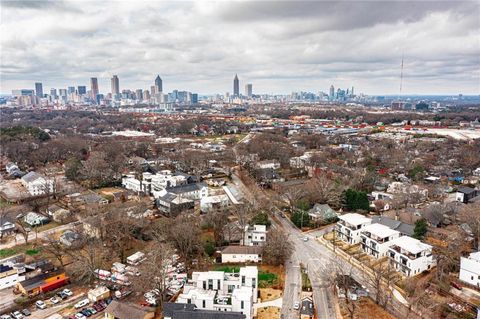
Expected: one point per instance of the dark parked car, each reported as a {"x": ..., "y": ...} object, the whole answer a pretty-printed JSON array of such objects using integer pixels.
[{"x": 26, "y": 312}]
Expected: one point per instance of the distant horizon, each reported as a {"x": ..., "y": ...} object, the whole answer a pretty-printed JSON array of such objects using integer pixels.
[{"x": 276, "y": 46}]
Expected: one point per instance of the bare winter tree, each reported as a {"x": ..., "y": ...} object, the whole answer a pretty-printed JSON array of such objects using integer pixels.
[
  {"x": 154, "y": 272},
  {"x": 380, "y": 280},
  {"x": 86, "y": 260},
  {"x": 217, "y": 219},
  {"x": 184, "y": 234},
  {"x": 325, "y": 191},
  {"x": 243, "y": 215},
  {"x": 278, "y": 248},
  {"x": 339, "y": 274}
]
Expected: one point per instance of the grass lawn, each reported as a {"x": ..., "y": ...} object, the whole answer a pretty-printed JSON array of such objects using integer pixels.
[
  {"x": 267, "y": 279},
  {"x": 30, "y": 250}
]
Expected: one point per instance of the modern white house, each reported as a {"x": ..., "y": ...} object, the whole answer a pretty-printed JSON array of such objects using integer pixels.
[
  {"x": 410, "y": 256},
  {"x": 221, "y": 291},
  {"x": 349, "y": 227},
  {"x": 470, "y": 269},
  {"x": 37, "y": 184},
  {"x": 377, "y": 238},
  {"x": 241, "y": 254},
  {"x": 11, "y": 274},
  {"x": 255, "y": 235}
]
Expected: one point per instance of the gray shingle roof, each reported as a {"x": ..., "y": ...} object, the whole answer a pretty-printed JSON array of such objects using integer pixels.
[
  {"x": 31, "y": 177},
  {"x": 397, "y": 225},
  {"x": 189, "y": 311}
]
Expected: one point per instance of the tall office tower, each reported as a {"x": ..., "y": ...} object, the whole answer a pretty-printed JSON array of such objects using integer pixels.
[
  {"x": 82, "y": 90},
  {"x": 53, "y": 93},
  {"x": 158, "y": 84},
  {"x": 236, "y": 86},
  {"x": 194, "y": 98},
  {"x": 332, "y": 92},
  {"x": 153, "y": 90},
  {"x": 248, "y": 90},
  {"x": 146, "y": 95},
  {"x": 351, "y": 92},
  {"x": 62, "y": 93},
  {"x": 71, "y": 90},
  {"x": 94, "y": 88},
  {"x": 115, "y": 85},
  {"x": 39, "y": 89},
  {"x": 139, "y": 94}
]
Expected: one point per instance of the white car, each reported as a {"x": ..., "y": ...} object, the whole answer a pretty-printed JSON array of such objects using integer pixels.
[
  {"x": 17, "y": 315},
  {"x": 40, "y": 304},
  {"x": 54, "y": 300},
  {"x": 80, "y": 315},
  {"x": 68, "y": 292},
  {"x": 305, "y": 238},
  {"x": 82, "y": 303},
  {"x": 296, "y": 305},
  {"x": 5, "y": 317}
]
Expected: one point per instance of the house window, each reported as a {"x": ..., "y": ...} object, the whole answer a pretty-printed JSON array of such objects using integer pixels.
[
  {"x": 243, "y": 280},
  {"x": 210, "y": 284},
  {"x": 241, "y": 304},
  {"x": 203, "y": 304}
]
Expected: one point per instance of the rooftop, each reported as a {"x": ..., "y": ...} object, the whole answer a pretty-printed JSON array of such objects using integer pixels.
[
  {"x": 380, "y": 230},
  {"x": 239, "y": 250},
  {"x": 355, "y": 219},
  {"x": 412, "y": 245}
]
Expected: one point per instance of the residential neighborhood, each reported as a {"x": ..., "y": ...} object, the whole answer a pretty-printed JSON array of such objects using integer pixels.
[{"x": 320, "y": 215}]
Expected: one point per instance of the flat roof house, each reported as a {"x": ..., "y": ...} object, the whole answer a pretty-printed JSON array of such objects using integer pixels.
[
  {"x": 222, "y": 291},
  {"x": 377, "y": 238},
  {"x": 255, "y": 235},
  {"x": 470, "y": 269},
  {"x": 349, "y": 227},
  {"x": 410, "y": 256}
]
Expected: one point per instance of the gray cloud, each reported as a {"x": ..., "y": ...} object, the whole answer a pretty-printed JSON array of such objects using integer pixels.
[{"x": 278, "y": 46}]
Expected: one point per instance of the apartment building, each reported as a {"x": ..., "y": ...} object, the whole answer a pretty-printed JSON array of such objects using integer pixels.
[
  {"x": 349, "y": 227},
  {"x": 377, "y": 238},
  {"x": 410, "y": 256},
  {"x": 221, "y": 291}
]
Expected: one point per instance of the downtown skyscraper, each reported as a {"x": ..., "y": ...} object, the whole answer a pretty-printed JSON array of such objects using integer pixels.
[
  {"x": 236, "y": 86},
  {"x": 39, "y": 89},
  {"x": 158, "y": 84},
  {"x": 115, "y": 85},
  {"x": 248, "y": 90},
  {"x": 94, "y": 88}
]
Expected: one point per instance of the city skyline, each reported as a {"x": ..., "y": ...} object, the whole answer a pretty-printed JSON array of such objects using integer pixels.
[{"x": 278, "y": 47}]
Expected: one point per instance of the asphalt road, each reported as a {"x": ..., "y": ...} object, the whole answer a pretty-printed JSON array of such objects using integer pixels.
[{"x": 315, "y": 261}]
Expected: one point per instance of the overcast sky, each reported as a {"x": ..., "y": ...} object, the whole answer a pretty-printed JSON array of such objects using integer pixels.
[{"x": 279, "y": 47}]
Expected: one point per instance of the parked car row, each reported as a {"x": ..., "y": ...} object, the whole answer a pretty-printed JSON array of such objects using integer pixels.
[
  {"x": 17, "y": 314},
  {"x": 89, "y": 311},
  {"x": 62, "y": 295}
]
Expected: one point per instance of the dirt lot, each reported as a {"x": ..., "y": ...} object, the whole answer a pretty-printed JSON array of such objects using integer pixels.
[
  {"x": 365, "y": 309},
  {"x": 268, "y": 313},
  {"x": 13, "y": 190},
  {"x": 278, "y": 270},
  {"x": 267, "y": 294}
]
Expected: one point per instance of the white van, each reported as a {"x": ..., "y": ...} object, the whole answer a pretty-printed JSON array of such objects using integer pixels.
[{"x": 82, "y": 303}]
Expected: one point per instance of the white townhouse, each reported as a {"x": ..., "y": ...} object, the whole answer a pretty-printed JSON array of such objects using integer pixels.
[
  {"x": 377, "y": 238},
  {"x": 255, "y": 235},
  {"x": 470, "y": 269},
  {"x": 221, "y": 291},
  {"x": 410, "y": 256},
  {"x": 11, "y": 274},
  {"x": 37, "y": 184},
  {"x": 349, "y": 227}
]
